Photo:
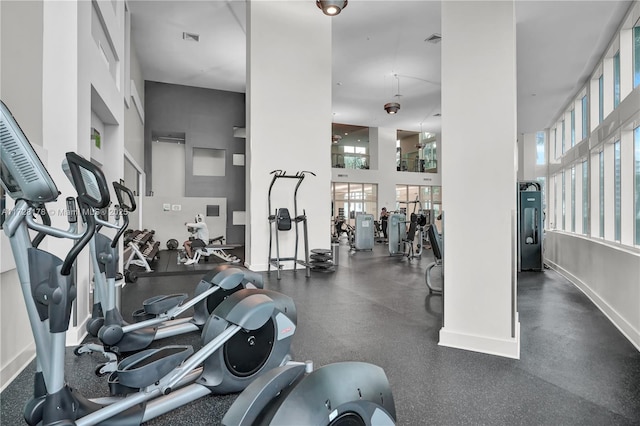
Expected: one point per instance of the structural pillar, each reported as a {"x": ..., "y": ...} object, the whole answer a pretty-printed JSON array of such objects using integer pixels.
[
  {"x": 479, "y": 165},
  {"x": 288, "y": 122}
]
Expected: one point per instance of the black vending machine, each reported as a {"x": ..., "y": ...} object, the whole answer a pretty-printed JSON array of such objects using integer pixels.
[{"x": 530, "y": 231}]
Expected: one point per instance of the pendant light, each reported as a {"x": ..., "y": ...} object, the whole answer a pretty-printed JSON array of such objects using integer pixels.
[
  {"x": 331, "y": 7},
  {"x": 394, "y": 107}
]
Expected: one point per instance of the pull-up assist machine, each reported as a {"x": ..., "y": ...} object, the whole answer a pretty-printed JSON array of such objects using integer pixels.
[{"x": 281, "y": 221}]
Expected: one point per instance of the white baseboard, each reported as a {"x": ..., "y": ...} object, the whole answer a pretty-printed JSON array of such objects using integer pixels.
[
  {"x": 508, "y": 348},
  {"x": 263, "y": 267},
  {"x": 75, "y": 335},
  {"x": 10, "y": 371},
  {"x": 618, "y": 321}
]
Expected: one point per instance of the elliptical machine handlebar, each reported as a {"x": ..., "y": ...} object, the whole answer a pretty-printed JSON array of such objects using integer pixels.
[
  {"x": 93, "y": 195},
  {"x": 120, "y": 190},
  {"x": 124, "y": 208}
]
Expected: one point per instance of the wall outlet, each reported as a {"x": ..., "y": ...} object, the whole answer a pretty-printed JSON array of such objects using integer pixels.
[
  {"x": 166, "y": 207},
  {"x": 176, "y": 207}
]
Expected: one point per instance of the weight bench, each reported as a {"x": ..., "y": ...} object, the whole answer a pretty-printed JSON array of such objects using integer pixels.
[
  {"x": 436, "y": 247},
  {"x": 217, "y": 250}
]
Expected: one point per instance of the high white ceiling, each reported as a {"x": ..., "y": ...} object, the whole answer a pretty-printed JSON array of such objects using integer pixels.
[{"x": 558, "y": 45}]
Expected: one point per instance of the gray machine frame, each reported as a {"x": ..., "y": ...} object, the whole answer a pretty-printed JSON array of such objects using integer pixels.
[
  {"x": 161, "y": 317},
  {"x": 530, "y": 227},
  {"x": 395, "y": 231},
  {"x": 364, "y": 232},
  {"x": 155, "y": 381},
  {"x": 275, "y": 225},
  {"x": 49, "y": 290}
]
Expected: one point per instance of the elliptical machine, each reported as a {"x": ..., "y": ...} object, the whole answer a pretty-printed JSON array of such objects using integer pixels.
[
  {"x": 257, "y": 324},
  {"x": 249, "y": 333},
  {"x": 160, "y": 316}
]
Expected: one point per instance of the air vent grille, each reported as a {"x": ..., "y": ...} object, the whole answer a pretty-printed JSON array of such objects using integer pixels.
[
  {"x": 434, "y": 38},
  {"x": 190, "y": 36}
]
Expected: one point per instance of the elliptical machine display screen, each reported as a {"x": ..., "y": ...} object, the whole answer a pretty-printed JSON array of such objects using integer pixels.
[{"x": 23, "y": 174}]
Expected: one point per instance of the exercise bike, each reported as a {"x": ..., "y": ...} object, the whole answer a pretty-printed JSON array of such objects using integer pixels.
[{"x": 160, "y": 316}]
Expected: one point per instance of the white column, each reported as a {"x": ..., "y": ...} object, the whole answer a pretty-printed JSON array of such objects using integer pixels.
[
  {"x": 288, "y": 121},
  {"x": 386, "y": 151},
  {"x": 479, "y": 159}
]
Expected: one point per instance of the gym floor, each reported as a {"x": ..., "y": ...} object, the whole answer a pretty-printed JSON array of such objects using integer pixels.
[{"x": 576, "y": 368}]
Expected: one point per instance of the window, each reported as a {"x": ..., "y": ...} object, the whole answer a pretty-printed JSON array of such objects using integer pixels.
[
  {"x": 429, "y": 201},
  {"x": 555, "y": 142},
  {"x": 350, "y": 199},
  {"x": 636, "y": 137},
  {"x": 352, "y": 157},
  {"x": 563, "y": 133},
  {"x": 540, "y": 148},
  {"x": 601, "y": 99},
  {"x": 573, "y": 127},
  {"x": 585, "y": 197},
  {"x": 616, "y": 79},
  {"x": 584, "y": 117},
  {"x": 636, "y": 56},
  {"x": 564, "y": 206},
  {"x": 543, "y": 188},
  {"x": 555, "y": 201},
  {"x": 601, "y": 192},
  {"x": 573, "y": 199},
  {"x": 616, "y": 189}
]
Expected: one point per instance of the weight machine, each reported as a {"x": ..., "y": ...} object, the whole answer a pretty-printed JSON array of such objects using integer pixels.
[
  {"x": 417, "y": 223},
  {"x": 281, "y": 220},
  {"x": 402, "y": 237},
  {"x": 530, "y": 227}
]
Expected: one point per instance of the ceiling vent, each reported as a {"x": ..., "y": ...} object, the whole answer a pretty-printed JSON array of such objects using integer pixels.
[
  {"x": 191, "y": 36},
  {"x": 434, "y": 38}
]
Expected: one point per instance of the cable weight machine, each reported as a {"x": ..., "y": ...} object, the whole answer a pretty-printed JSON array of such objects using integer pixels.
[{"x": 281, "y": 220}]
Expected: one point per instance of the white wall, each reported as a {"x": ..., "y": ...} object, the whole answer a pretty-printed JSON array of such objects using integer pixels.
[
  {"x": 289, "y": 60},
  {"x": 479, "y": 312},
  {"x": 604, "y": 272},
  {"x": 21, "y": 91},
  {"x": 53, "y": 80},
  {"x": 133, "y": 123},
  {"x": 607, "y": 271}
]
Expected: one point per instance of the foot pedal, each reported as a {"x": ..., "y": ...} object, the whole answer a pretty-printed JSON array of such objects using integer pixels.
[
  {"x": 147, "y": 367},
  {"x": 142, "y": 315},
  {"x": 160, "y": 304}
]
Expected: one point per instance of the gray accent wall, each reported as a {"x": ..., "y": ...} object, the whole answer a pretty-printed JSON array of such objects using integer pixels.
[{"x": 206, "y": 117}]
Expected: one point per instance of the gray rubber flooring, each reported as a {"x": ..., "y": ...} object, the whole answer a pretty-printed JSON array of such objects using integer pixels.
[{"x": 576, "y": 368}]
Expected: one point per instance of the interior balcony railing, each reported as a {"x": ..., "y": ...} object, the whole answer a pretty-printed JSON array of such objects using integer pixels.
[{"x": 350, "y": 161}]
